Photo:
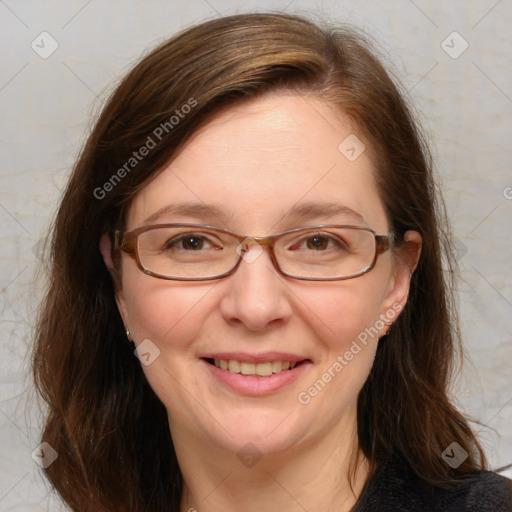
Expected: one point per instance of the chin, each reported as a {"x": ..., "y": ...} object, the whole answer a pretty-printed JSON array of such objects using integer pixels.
[{"x": 267, "y": 433}]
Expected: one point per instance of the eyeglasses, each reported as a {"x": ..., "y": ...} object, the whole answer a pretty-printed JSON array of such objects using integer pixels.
[{"x": 195, "y": 252}]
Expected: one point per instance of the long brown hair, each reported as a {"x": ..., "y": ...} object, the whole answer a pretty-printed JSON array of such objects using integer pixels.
[{"x": 107, "y": 425}]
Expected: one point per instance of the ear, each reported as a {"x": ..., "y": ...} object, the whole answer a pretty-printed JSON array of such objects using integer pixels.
[
  {"x": 405, "y": 265},
  {"x": 106, "y": 252}
]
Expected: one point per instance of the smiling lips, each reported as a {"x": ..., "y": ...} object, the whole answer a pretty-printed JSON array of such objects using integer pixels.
[
  {"x": 265, "y": 369},
  {"x": 260, "y": 365},
  {"x": 255, "y": 374}
]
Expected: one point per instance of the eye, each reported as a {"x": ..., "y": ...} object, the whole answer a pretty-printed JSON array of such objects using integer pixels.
[
  {"x": 317, "y": 242},
  {"x": 190, "y": 242},
  {"x": 320, "y": 242}
]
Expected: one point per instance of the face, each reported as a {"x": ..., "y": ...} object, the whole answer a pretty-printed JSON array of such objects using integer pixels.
[{"x": 256, "y": 164}]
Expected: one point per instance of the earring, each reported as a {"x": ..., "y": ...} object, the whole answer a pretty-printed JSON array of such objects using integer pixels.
[
  {"x": 128, "y": 335},
  {"x": 388, "y": 331}
]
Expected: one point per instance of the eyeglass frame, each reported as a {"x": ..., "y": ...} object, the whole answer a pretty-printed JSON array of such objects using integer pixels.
[{"x": 128, "y": 243}]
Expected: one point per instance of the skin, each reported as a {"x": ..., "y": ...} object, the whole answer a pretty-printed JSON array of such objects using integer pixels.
[{"x": 259, "y": 159}]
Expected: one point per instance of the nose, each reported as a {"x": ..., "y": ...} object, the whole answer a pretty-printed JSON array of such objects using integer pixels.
[{"x": 256, "y": 295}]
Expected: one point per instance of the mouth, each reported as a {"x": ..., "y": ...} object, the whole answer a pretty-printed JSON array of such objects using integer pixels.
[{"x": 262, "y": 369}]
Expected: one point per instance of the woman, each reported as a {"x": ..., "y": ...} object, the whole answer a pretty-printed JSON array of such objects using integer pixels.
[{"x": 255, "y": 211}]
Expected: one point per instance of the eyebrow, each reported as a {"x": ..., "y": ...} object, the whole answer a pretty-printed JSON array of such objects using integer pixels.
[
  {"x": 302, "y": 211},
  {"x": 192, "y": 209}
]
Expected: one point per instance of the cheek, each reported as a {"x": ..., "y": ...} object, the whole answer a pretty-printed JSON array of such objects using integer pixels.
[
  {"x": 343, "y": 321},
  {"x": 341, "y": 312},
  {"x": 163, "y": 311},
  {"x": 172, "y": 317}
]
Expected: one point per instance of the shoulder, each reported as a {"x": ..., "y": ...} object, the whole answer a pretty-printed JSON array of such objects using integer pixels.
[
  {"x": 489, "y": 491},
  {"x": 394, "y": 487}
]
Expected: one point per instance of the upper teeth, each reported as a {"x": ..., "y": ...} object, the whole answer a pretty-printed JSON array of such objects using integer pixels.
[{"x": 261, "y": 369}]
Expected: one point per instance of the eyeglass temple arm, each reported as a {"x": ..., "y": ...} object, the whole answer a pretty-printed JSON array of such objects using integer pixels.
[
  {"x": 384, "y": 242},
  {"x": 124, "y": 242}
]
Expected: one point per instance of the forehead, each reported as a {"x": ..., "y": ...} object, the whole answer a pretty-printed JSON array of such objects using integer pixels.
[{"x": 259, "y": 162}]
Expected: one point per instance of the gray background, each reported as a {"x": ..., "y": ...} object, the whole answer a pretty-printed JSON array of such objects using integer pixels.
[{"x": 48, "y": 104}]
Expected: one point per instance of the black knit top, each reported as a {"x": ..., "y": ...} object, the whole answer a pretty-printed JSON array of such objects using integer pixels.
[{"x": 395, "y": 487}]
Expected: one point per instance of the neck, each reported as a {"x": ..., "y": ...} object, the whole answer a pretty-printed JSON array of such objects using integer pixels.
[{"x": 312, "y": 476}]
